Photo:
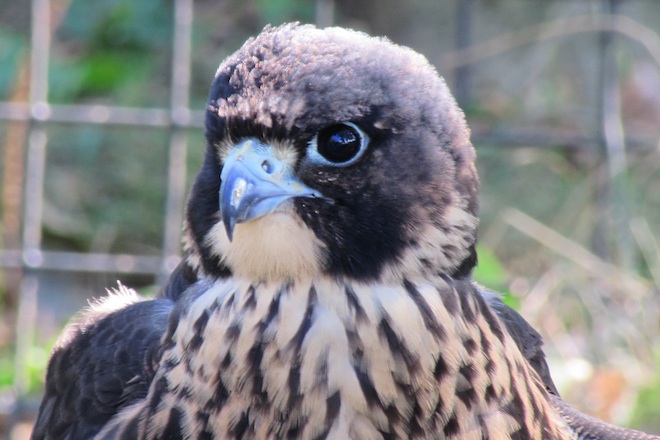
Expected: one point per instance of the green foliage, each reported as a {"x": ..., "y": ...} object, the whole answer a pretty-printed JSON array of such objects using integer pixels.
[
  {"x": 12, "y": 47},
  {"x": 114, "y": 49},
  {"x": 36, "y": 360},
  {"x": 107, "y": 73},
  {"x": 280, "y": 11},
  {"x": 121, "y": 205},
  {"x": 647, "y": 407},
  {"x": 6, "y": 369},
  {"x": 490, "y": 273},
  {"x": 118, "y": 24}
]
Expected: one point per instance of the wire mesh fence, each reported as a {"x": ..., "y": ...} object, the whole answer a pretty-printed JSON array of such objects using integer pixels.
[{"x": 30, "y": 119}]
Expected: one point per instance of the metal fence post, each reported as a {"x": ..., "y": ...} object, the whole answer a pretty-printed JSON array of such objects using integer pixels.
[
  {"x": 463, "y": 39},
  {"x": 611, "y": 198},
  {"x": 180, "y": 117}
]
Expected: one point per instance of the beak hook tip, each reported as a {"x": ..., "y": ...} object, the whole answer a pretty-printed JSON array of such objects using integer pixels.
[
  {"x": 229, "y": 229},
  {"x": 229, "y": 222}
]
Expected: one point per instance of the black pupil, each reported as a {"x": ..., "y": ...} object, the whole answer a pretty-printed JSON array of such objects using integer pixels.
[{"x": 338, "y": 143}]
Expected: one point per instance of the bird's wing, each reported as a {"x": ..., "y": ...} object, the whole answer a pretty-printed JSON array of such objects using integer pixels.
[
  {"x": 528, "y": 340},
  {"x": 102, "y": 363},
  {"x": 530, "y": 343},
  {"x": 591, "y": 428}
]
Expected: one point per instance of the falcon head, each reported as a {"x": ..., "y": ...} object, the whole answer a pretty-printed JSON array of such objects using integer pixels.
[{"x": 332, "y": 153}]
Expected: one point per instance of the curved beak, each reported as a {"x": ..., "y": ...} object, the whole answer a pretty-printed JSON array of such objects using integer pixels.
[{"x": 254, "y": 182}]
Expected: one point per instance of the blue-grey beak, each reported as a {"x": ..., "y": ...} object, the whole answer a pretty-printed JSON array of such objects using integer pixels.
[{"x": 254, "y": 182}]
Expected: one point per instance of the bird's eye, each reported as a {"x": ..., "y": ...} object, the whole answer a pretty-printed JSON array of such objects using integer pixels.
[{"x": 338, "y": 144}]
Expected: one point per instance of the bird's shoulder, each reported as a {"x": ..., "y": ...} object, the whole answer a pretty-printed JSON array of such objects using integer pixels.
[
  {"x": 102, "y": 362},
  {"x": 527, "y": 339}
]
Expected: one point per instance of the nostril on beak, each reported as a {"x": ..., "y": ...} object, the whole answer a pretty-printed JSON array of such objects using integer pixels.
[{"x": 267, "y": 167}]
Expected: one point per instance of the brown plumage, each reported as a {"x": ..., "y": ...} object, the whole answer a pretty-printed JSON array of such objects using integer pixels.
[{"x": 325, "y": 290}]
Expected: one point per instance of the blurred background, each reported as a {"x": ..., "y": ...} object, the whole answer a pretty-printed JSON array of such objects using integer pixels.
[{"x": 101, "y": 109}]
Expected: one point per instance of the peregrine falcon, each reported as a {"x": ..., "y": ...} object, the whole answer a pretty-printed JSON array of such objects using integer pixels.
[{"x": 326, "y": 288}]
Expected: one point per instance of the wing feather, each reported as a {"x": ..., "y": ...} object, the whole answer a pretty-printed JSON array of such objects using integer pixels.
[{"x": 103, "y": 362}]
